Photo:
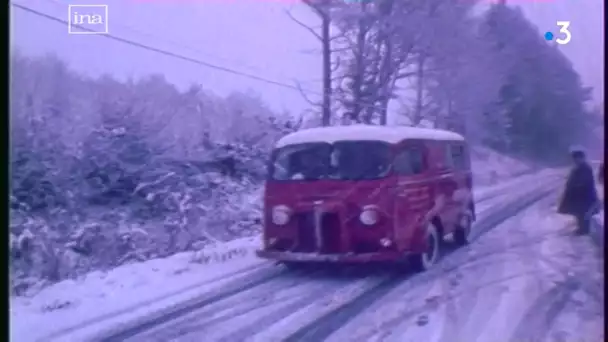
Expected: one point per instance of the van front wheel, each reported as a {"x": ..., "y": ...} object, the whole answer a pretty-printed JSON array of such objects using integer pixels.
[{"x": 424, "y": 261}]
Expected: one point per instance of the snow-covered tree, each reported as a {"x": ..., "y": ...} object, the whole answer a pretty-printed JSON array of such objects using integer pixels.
[
  {"x": 106, "y": 171},
  {"x": 541, "y": 94}
]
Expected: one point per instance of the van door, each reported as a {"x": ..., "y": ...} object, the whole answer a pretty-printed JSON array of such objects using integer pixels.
[
  {"x": 462, "y": 197},
  {"x": 446, "y": 186},
  {"x": 454, "y": 184},
  {"x": 413, "y": 190}
]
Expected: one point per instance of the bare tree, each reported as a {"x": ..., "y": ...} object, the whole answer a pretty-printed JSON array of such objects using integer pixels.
[
  {"x": 322, "y": 8},
  {"x": 382, "y": 36},
  {"x": 354, "y": 73},
  {"x": 417, "y": 117},
  {"x": 459, "y": 70}
]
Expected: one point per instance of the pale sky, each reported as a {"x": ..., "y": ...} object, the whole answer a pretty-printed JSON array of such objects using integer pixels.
[{"x": 254, "y": 36}]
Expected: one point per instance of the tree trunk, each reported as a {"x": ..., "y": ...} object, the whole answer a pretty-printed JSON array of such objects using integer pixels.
[
  {"x": 327, "y": 91},
  {"x": 419, "y": 90},
  {"x": 358, "y": 76}
]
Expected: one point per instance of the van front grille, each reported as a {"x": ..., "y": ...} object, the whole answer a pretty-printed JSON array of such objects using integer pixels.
[
  {"x": 330, "y": 233},
  {"x": 306, "y": 238}
]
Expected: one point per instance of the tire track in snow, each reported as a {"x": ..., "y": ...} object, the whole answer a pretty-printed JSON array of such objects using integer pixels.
[
  {"x": 269, "y": 319},
  {"x": 310, "y": 313},
  {"x": 538, "y": 299},
  {"x": 539, "y": 319},
  {"x": 461, "y": 312},
  {"x": 411, "y": 311},
  {"x": 206, "y": 319},
  {"x": 185, "y": 308},
  {"x": 385, "y": 286},
  {"x": 130, "y": 330},
  {"x": 325, "y": 326},
  {"x": 480, "y": 305},
  {"x": 96, "y": 320},
  {"x": 458, "y": 262},
  {"x": 582, "y": 318},
  {"x": 260, "y": 296},
  {"x": 280, "y": 301},
  {"x": 454, "y": 306}
]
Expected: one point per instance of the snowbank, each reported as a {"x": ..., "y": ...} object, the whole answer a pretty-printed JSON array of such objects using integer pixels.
[
  {"x": 597, "y": 230},
  {"x": 126, "y": 288},
  {"x": 597, "y": 223},
  {"x": 490, "y": 167}
]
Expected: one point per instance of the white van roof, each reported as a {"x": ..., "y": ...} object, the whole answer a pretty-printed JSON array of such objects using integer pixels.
[{"x": 389, "y": 134}]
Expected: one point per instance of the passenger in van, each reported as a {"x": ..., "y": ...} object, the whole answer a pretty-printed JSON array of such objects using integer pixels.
[
  {"x": 580, "y": 197},
  {"x": 308, "y": 166},
  {"x": 360, "y": 160},
  {"x": 342, "y": 160}
]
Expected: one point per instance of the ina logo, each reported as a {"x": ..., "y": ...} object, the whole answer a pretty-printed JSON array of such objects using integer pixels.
[{"x": 88, "y": 19}]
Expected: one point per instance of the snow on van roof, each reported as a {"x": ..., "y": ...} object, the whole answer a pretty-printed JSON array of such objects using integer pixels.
[{"x": 391, "y": 134}]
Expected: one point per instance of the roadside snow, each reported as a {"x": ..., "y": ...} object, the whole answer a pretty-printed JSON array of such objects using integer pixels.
[
  {"x": 126, "y": 288},
  {"x": 522, "y": 182},
  {"x": 490, "y": 167},
  {"x": 599, "y": 218},
  {"x": 528, "y": 279},
  {"x": 597, "y": 226}
]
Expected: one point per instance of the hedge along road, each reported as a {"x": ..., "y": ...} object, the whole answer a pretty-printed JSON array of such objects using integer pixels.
[{"x": 260, "y": 300}]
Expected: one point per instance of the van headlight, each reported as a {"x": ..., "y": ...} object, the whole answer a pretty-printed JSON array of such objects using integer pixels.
[
  {"x": 369, "y": 215},
  {"x": 280, "y": 215}
]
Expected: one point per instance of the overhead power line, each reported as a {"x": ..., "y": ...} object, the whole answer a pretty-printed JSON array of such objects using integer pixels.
[
  {"x": 199, "y": 62},
  {"x": 179, "y": 44},
  {"x": 160, "y": 51}
]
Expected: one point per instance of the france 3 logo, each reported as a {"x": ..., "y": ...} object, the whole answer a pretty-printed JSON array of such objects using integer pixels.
[{"x": 564, "y": 30}]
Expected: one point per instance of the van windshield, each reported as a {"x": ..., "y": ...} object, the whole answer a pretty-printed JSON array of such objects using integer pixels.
[{"x": 342, "y": 160}]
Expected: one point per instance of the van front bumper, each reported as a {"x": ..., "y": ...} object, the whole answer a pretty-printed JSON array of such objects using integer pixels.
[{"x": 316, "y": 257}]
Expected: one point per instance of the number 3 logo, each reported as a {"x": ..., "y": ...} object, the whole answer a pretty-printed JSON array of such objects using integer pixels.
[{"x": 564, "y": 29}]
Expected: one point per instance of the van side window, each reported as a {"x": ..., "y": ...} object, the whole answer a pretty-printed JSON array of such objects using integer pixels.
[
  {"x": 410, "y": 161},
  {"x": 457, "y": 156}
]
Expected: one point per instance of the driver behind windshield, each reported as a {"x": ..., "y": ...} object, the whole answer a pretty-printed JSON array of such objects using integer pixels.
[
  {"x": 307, "y": 166},
  {"x": 340, "y": 161},
  {"x": 359, "y": 161}
]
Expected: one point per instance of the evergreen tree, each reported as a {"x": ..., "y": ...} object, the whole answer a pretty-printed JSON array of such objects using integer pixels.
[{"x": 542, "y": 95}]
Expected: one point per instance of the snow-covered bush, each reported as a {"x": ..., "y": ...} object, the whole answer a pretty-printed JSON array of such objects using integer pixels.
[{"x": 106, "y": 172}]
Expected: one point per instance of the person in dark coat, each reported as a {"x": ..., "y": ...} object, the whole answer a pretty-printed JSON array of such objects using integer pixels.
[
  {"x": 580, "y": 197},
  {"x": 600, "y": 174}
]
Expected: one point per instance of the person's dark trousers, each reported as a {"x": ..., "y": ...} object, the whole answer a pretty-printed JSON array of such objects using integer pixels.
[{"x": 583, "y": 223}]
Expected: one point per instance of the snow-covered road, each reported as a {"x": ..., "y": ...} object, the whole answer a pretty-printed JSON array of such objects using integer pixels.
[
  {"x": 528, "y": 279},
  {"x": 368, "y": 305},
  {"x": 252, "y": 300}
]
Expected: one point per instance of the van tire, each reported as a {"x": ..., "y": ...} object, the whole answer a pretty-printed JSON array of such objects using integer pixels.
[
  {"x": 462, "y": 234},
  {"x": 424, "y": 261}
]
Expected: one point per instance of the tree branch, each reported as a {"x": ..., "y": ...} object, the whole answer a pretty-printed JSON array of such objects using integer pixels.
[
  {"x": 308, "y": 28},
  {"x": 305, "y": 96}
]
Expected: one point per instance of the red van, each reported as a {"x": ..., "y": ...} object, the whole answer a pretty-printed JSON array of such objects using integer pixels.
[{"x": 367, "y": 193}]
